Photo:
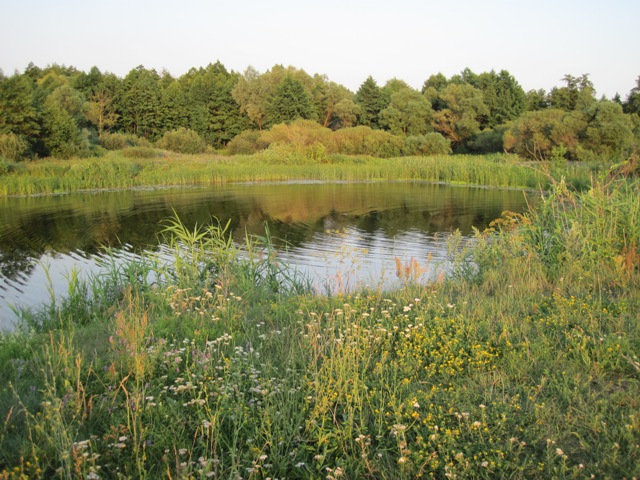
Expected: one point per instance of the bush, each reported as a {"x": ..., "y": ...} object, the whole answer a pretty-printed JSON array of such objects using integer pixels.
[
  {"x": 182, "y": 140},
  {"x": 246, "y": 143},
  {"x": 13, "y": 147},
  {"x": 488, "y": 141},
  {"x": 5, "y": 166},
  {"x": 365, "y": 141},
  {"x": 383, "y": 144},
  {"x": 300, "y": 133},
  {"x": 140, "y": 152},
  {"x": 120, "y": 141},
  {"x": 288, "y": 153},
  {"x": 429, "y": 144}
]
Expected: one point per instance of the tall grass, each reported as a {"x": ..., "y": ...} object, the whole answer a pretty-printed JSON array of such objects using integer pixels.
[
  {"x": 115, "y": 170},
  {"x": 522, "y": 364}
]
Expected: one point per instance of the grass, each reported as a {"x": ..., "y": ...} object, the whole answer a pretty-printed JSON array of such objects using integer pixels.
[
  {"x": 221, "y": 363},
  {"x": 115, "y": 170}
]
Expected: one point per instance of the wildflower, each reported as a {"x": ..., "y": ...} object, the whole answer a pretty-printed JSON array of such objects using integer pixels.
[
  {"x": 559, "y": 451},
  {"x": 182, "y": 451},
  {"x": 402, "y": 460},
  {"x": 484, "y": 464}
]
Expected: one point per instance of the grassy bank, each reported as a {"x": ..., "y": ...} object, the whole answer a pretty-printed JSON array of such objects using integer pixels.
[
  {"x": 523, "y": 364},
  {"x": 124, "y": 170}
]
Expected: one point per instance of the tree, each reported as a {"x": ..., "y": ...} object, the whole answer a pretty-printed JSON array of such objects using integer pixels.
[
  {"x": 577, "y": 94},
  {"x": 18, "y": 114},
  {"x": 213, "y": 111},
  {"x": 62, "y": 136},
  {"x": 252, "y": 92},
  {"x": 464, "y": 108},
  {"x": 536, "y": 100},
  {"x": 409, "y": 112},
  {"x": 371, "y": 101},
  {"x": 100, "y": 108},
  {"x": 536, "y": 134},
  {"x": 289, "y": 102},
  {"x": 609, "y": 131},
  {"x": 335, "y": 104},
  {"x": 504, "y": 97},
  {"x": 139, "y": 103},
  {"x": 438, "y": 82},
  {"x": 632, "y": 104}
]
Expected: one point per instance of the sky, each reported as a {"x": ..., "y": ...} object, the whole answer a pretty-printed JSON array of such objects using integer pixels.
[{"x": 538, "y": 42}]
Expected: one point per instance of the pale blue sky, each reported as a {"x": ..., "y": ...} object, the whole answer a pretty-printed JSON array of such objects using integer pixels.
[{"x": 538, "y": 42}]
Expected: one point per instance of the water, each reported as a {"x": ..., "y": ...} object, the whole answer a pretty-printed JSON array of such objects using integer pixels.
[{"x": 340, "y": 234}]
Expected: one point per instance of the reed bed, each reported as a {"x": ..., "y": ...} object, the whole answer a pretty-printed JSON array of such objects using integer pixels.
[
  {"x": 223, "y": 363},
  {"x": 115, "y": 170}
]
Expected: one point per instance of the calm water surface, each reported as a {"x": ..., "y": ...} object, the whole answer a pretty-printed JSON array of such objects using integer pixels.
[{"x": 341, "y": 235}]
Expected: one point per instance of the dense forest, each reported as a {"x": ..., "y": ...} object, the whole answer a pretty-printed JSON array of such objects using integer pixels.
[{"x": 63, "y": 112}]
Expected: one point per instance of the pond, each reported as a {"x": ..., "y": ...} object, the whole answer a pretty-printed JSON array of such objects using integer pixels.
[{"x": 341, "y": 235}]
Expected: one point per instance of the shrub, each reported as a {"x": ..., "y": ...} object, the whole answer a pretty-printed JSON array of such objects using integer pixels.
[
  {"x": 430, "y": 144},
  {"x": 5, "y": 166},
  {"x": 294, "y": 154},
  {"x": 246, "y": 143},
  {"x": 13, "y": 147},
  {"x": 300, "y": 133},
  {"x": 488, "y": 141},
  {"x": 366, "y": 141},
  {"x": 120, "y": 141},
  {"x": 182, "y": 140},
  {"x": 140, "y": 152},
  {"x": 383, "y": 144}
]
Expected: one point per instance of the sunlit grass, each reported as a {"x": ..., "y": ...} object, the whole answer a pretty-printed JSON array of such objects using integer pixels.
[
  {"x": 115, "y": 171},
  {"x": 523, "y": 363}
]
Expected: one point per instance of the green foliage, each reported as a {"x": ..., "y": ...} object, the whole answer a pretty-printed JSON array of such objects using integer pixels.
[
  {"x": 371, "y": 101},
  {"x": 13, "y": 147},
  {"x": 58, "y": 110},
  {"x": 6, "y": 166},
  {"x": 609, "y": 131},
  {"x": 62, "y": 136},
  {"x": 577, "y": 95},
  {"x": 299, "y": 133},
  {"x": 430, "y": 144},
  {"x": 289, "y": 102},
  {"x": 464, "y": 109},
  {"x": 182, "y": 140},
  {"x": 247, "y": 142},
  {"x": 140, "y": 152},
  {"x": 632, "y": 103},
  {"x": 139, "y": 103},
  {"x": 537, "y": 133},
  {"x": 488, "y": 141},
  {"x": 408, "y": 113},
  {"x": 119, "y": 141}
]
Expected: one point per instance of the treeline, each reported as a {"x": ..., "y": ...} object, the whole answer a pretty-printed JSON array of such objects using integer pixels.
[{"x": 64, "y": 112}]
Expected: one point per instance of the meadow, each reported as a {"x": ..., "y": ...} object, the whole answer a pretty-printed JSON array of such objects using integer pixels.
[
  {"x": 145, "y": 166},
  {"x": 223, "y": 363}
]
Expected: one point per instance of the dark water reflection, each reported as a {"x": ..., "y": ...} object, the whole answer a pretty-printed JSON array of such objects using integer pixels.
[{"x": 376, "y": 223}]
